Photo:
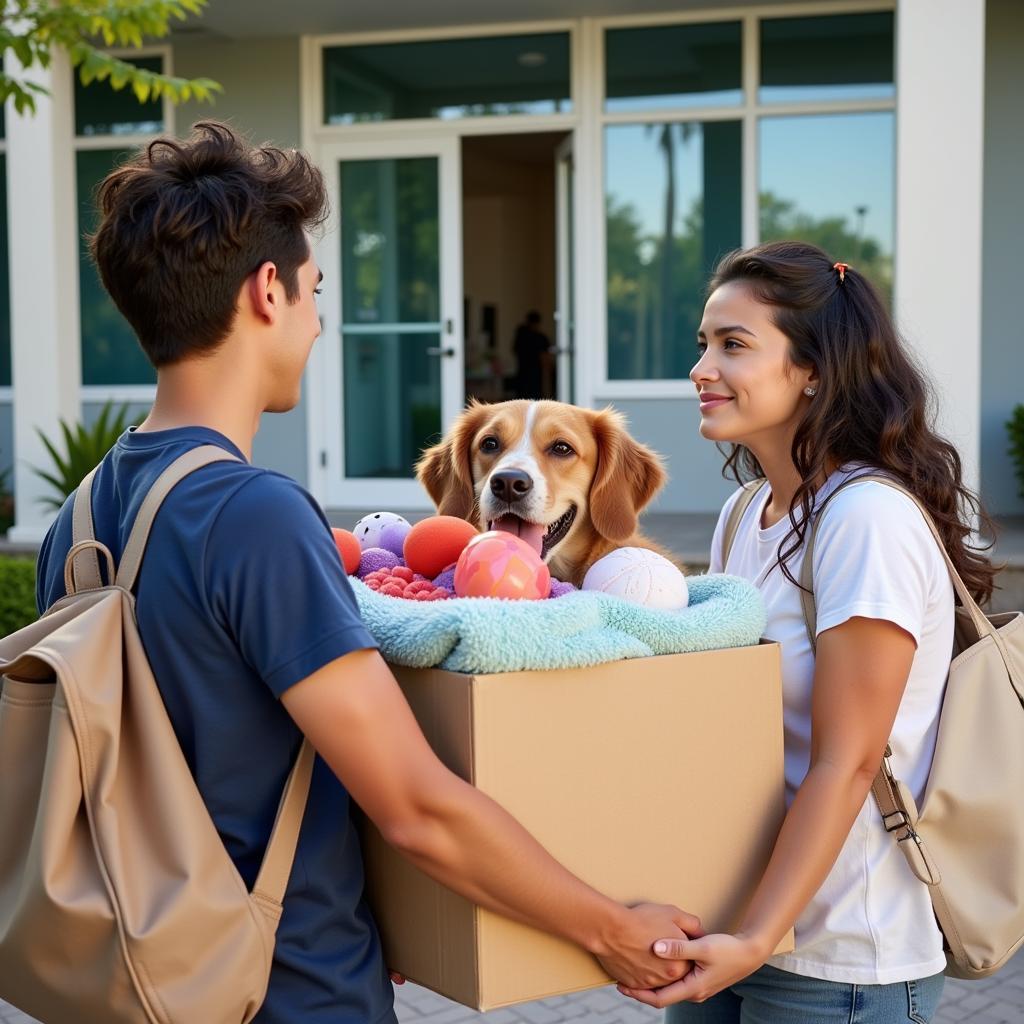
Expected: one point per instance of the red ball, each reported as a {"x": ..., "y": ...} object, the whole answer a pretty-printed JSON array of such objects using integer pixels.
[
  {"x": 348, "y": 549},
  {"x": 499, "y": 564},
  {"x": 435, "y": 543}
]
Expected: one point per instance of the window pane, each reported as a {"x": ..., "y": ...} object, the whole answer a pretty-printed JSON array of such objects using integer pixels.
[
  {"x": 447, "y": 78},
  {"x": 673, "y": 66},
  {"x": 5, "y": 282},
  {"x": 842, "y": 56},
  {"x": 392, "y": 372},
  {"x": 673, "y": 208},
  {"x": 99, "y": 110},
  {"x": 110, "y": 352},
  {"x": 389, "y": 241},
  {"x": 839, "y": 194}
]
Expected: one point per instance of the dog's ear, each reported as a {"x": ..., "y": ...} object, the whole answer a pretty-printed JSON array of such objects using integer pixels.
[
  {"x": 445, "y": 470},
  {"x": 628, "y": 476}
]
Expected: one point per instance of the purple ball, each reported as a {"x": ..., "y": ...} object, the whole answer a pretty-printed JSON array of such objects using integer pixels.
[
  {"x": 446, "y": 579},
  {"x": 560, "y": 589},
  {"x": 376, "y": 558},
  {"x": 392, "y": 537}
]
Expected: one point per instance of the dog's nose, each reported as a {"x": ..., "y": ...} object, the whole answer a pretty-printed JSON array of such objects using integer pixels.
[{"x": 511, "y": 484}]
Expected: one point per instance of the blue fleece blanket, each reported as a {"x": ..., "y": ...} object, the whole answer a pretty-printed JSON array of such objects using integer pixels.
[{"x": 584, "y": 628}]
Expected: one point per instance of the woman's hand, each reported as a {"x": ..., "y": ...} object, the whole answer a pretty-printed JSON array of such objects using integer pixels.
[{"x": 717, "y": 961}]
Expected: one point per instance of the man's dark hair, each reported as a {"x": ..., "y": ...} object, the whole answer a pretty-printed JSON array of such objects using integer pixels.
[{"x": 184, "y": 223}]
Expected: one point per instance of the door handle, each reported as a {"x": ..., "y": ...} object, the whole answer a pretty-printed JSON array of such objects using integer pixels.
[{"x": 444, "y": 353}]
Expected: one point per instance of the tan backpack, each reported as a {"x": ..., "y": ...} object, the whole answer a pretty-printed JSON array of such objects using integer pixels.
[
  {"x": 966, "y": 843},
  {"x": 118, "y": 901}
]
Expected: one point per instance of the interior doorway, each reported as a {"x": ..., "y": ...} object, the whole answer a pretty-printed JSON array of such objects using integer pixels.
[{"x": 516, "y": 313}]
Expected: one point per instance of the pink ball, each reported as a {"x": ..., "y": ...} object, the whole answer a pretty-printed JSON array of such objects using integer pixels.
[{"x": 499, "y": 564}]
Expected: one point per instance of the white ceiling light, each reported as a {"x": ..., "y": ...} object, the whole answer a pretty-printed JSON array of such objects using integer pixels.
[{"x": 532, "y": 59}]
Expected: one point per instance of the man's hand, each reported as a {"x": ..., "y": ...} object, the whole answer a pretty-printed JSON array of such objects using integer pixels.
[
  {"x": 717, "y": 961},
  {"x": 630, "y": 957}
]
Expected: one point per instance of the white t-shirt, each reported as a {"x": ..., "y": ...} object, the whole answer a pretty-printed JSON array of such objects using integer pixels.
[{"x": 871, "y": 922}]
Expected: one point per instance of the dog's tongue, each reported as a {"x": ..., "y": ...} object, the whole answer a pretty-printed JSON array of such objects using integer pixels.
[{"x": 532, "y": 533}]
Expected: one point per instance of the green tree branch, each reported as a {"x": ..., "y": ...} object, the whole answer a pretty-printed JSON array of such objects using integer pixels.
[{"x": 32, "y": 30}]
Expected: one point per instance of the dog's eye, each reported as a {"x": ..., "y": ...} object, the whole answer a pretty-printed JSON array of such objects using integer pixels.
[
  {"x": 562, "y": 448},
  {"x": 489, "y": 445}
]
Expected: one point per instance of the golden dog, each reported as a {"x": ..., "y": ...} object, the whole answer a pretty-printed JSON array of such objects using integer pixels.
[{"x": 569, "y": 481}]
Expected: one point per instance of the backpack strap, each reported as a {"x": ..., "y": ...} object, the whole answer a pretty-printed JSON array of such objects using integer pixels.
[
  {"x": 750, "y": 491},
  {"x": 196, "y": 458},
  {"x": 978, "y": 617},
  {"x": 280, "y": 853},
  {"x": 83, "y": 566},
  {"x": 896, "y": 805},
  {"x": 272, "y": 880}
]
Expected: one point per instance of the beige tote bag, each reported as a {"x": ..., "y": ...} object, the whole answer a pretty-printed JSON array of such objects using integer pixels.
[
  {"x": 118, "y": 901},
  {"x": 966, "y": 843}
]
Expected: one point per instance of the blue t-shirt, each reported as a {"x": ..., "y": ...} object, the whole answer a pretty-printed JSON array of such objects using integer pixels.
[{"x": 241, "y": 594}]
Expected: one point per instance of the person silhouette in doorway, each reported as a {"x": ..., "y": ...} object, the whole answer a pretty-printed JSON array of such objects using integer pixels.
[{"x": 533, "y": 357}]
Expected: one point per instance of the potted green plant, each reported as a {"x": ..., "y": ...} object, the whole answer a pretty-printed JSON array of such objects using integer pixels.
[{"x": 84, "y": 448}]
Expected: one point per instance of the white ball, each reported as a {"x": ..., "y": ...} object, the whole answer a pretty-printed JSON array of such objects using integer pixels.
[
  {"x": 369, "y": 529},
  {"x": 641, "y": 576}
]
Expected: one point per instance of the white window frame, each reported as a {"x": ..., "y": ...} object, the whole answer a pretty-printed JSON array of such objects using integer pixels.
[
  {"x": 118, "y": 393},
  {"x": 748, "y": 112},
  {"x": 316, "y": 136}
]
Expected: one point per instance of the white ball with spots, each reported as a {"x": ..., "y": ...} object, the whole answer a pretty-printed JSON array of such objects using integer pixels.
[
  {"x": 640, "y": 576},
  {"x": 369, "y": 528}
]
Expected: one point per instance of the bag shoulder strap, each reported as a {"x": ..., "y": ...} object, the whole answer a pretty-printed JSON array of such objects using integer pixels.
[
  {"x": 894, "y": 804},
  {"x": 272, "y": 880},
  {"x": 732, "y": 524},
  {"x": 978, "y": 617},
  {"x": 84, "y": 565},
  {"x": 181, "y": 467},
  {"x": 85, "y": 551}
]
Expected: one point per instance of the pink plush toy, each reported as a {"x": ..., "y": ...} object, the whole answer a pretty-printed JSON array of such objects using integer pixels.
[{"x": 401, "y": 581}]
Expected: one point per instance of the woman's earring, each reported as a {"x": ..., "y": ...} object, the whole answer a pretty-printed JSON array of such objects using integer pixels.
[{"x": 810, "y": 392}]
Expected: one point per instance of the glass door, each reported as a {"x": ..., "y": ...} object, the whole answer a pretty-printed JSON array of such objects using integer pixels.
[
  {"x": 391, "y": 349},
  {"x": 565, "y": 313}
]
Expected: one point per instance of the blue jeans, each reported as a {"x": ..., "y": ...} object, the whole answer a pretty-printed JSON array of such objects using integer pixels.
[{"x": 771, "y": 996}]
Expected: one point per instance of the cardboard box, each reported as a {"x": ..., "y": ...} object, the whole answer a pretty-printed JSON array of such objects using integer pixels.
[{"x": 653, "y": 779}]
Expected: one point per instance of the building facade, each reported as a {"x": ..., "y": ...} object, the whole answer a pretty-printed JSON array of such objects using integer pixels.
[{"x": 576, "y": 158}]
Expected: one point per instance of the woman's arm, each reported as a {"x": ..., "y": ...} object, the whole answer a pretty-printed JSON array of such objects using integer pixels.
[{"x": 861, "y": 670}]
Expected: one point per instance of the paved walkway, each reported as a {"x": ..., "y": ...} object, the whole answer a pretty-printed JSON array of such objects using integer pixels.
[{"x": 997, "y": 1000}]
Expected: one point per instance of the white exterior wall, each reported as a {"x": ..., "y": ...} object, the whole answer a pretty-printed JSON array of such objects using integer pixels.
[
  {"x": 45, "y": 359},
  {"x": 940, "y": 90}
]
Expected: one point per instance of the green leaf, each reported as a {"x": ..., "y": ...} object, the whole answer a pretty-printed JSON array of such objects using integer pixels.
[
  {"x": 23, "y": 51},
  {"x": 85, "y": 448}
]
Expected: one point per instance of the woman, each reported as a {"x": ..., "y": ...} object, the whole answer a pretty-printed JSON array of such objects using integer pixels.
[{"x": 802, "y": 372}]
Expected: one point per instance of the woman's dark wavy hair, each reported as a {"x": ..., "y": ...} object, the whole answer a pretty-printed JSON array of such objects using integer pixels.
[
  {"x": 186, "y": 221},
  {"x": 873, "y": 404}
]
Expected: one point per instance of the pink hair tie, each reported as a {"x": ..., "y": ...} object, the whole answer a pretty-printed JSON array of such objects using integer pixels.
[{"x": 842, "y": 268}]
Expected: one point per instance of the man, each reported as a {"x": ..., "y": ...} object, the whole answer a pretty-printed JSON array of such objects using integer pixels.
[
  {"x": 244, "y": 609},
  {"x": 533, "y": 357}
]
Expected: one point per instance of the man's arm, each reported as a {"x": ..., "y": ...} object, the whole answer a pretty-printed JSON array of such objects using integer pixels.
[{"x": 355, "y": 715}]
